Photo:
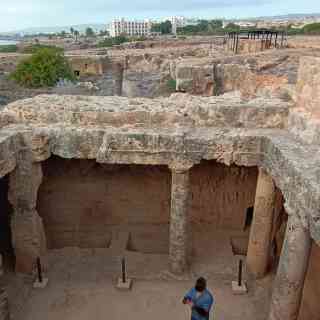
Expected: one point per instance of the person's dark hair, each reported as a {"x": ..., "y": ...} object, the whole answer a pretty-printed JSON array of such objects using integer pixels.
[{"x": 201, "y": 284}]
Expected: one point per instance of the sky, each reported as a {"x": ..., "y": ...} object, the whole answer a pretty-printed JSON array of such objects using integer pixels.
[{"x": 20, "y": 14}]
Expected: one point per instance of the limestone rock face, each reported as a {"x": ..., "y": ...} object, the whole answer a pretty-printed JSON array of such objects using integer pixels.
[
  {"x": 304, "y": 120},
  {"x": 179, "y": 110},
  {"x": 27, "y": 229},
  {"x": 308, "y": 86}
]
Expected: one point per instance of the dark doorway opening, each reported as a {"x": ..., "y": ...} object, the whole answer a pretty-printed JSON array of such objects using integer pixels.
[
  {"x": 6, "y": 248},
  {"x": 249, "y": 218}
]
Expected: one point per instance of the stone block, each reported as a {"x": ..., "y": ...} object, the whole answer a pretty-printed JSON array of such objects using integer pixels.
[
  {"x": 41, "y": 285},
  {"x": 124, "y": 286},
  {"x": 239, "y": 290}
]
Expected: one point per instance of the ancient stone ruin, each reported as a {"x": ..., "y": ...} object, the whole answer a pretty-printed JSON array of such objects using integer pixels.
[{"x": 159, "y": 179}]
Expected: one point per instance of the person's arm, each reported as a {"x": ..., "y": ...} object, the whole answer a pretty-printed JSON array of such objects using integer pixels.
[{"x": 187, "y": 298}]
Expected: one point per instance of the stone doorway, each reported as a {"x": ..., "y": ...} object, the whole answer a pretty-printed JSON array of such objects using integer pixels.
[
  {"x": 6, "y": 248},
  {"x": 221, "y": 196},
  {"x": 89, "y": 205}
]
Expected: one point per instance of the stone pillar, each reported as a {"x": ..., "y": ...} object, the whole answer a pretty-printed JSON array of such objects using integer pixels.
[
  {"x": 261, "y": 229},
  {"x": 28, "y": 237},
  {"x": 179, "y": 221},
  {"x": 293, "y": 265}
]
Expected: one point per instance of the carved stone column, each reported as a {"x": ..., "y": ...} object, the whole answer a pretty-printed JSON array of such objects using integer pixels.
[
  {"x": 261, "y": 228},
  {"x": 179, "y": 221},
  {"x": 28, "y": 236},
  {"x": 293, "y": 265}
]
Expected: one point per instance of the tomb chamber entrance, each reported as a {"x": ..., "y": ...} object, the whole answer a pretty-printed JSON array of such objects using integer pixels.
[
  {"x": 89, "y": 205},
  {"x": 220, "y": 198}
]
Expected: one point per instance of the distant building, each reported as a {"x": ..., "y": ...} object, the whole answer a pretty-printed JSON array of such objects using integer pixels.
[
  {"x": 179, "y": 22},
  {"x": 130, "y": 28},
  {"x": 241, "y": 24}
]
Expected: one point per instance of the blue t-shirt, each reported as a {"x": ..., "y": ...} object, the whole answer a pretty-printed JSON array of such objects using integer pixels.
[{"x": 204, "y": 301}]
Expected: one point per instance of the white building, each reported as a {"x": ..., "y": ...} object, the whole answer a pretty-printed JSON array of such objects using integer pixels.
[
  {"x": 177, "y": 22},
  {"x": 130, "y": 28},
  {"x": 180, "y": 22}
]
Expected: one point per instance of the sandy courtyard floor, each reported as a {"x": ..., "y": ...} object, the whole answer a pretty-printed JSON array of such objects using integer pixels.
[
  {"x": 81, "y": 287},
  {"x": 155, "y": 300}
]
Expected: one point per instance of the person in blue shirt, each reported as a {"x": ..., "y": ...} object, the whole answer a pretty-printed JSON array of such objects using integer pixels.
[{"x": 200, "y": 300}]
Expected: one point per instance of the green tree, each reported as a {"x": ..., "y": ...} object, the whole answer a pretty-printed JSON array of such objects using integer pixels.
[
  {"x": 203, "y": 27},
  {"x": 90, "y": 33},
  {"x": 103, "y": 33},
  {"x": 232, "y": 27},
  {"x": 312, "y": 28},
  {"x": 163, "y": 27},
  {"x": 8, "y": 48},
  {"x": 43, "y": 69},
  {"x": 71, "y": 30},
  {"x": 109, "y": 42}
]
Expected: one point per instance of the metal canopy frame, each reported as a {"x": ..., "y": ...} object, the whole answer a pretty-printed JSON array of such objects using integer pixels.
[{"x": 276, "y": 39}]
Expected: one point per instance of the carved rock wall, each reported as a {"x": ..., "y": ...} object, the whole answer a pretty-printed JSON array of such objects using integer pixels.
[
  {"x": 221, "y": 195},
  {"x": 304, "y": 119},
  {"x": 28, "y": 236},
  {"x": 83, "y": 203},
  {"x": 218, "y": 78},
  {"x": 310, "y": 308}
]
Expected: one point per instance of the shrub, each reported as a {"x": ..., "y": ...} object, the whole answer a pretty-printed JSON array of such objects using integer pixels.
[
  {"x": 312, "y": 28},
  {"x": 109, "y": 42},
  {"x": 43, "y": 69},
  {"x": 8, "y": 48},
  {"x": 33, "y": 48}
]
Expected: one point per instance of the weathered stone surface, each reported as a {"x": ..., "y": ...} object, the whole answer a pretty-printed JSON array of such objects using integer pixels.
[
  {"x": 304, "y": 120},
  {"x": 28, "y": 236},
  {"x": 8, "y": 149},
  {"x": 310, "y": 307},
  {"x": 260, "y": 233},
  {"x": 308, "y": 85},
  {"x": 267, "y": 73},
  {"x": 289, "y": 282},
  {"x": 176, "y": 111},
  {"x": 179, "y": 247}
]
